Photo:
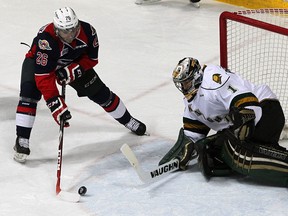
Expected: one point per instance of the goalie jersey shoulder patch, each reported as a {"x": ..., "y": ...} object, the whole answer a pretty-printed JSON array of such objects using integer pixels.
[{"x": 214, "y": 77}]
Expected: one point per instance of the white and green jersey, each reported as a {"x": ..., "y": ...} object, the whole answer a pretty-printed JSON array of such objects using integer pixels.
[{"x": 220, "y": 90}]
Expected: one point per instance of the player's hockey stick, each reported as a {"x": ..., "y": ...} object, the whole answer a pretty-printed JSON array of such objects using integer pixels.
[
  {"x": 152, "y": 175},
  {"x": 64, "y": 195}
]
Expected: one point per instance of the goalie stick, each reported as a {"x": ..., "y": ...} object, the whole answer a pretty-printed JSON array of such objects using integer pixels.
[
  {"x": 152, "y": 175},
  {"x": 64, "y": 195}
]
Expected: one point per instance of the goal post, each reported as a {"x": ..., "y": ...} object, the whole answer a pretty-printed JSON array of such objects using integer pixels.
[{"x": 254, "y": 43}]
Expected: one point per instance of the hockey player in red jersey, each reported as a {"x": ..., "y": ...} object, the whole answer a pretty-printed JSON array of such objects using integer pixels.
[
  {"x": 247, "y": 118},
  {"x": 65, "y": 51}
]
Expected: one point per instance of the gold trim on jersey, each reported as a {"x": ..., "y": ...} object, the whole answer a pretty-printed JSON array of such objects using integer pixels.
[
  {"x": 246, "y": 99},
  {"x": 195, "y": 126}
]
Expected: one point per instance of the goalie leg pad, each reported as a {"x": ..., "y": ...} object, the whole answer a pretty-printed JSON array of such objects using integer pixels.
[{"x": 262, "y": 163}]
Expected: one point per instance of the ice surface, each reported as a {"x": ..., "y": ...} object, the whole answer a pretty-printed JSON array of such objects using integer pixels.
[{"x": 139, "y": 48}]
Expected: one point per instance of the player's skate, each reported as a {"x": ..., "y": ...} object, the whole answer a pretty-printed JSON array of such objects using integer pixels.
[
  {"x": 136, "y": 126},
  {"x": 21, "y": 149},
  {"x": 195, "y": 3}
]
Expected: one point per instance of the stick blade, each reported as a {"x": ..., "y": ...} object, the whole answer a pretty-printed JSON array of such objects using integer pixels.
[
  {"x": 131, "y": 157},
  {"x": 68, "y": 196},
  {"x": 149, "y": 176},
  {"x": 129, "y": 154}
]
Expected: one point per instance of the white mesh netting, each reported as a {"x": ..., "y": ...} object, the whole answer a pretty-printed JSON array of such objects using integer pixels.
[{"x": 260, "y": 55}]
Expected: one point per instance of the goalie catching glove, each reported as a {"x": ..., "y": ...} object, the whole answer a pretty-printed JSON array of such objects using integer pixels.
[
  {"x": 243, "y": 122},
  {"x": 69, "y": 73},
  {"x": 210, "y": 159},
  {"x": 183, "y": 150},
  {"x": 59, "y": 110}
]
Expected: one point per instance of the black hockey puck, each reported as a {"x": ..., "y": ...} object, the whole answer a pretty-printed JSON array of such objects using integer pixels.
[{"x": 82, "y": 190}]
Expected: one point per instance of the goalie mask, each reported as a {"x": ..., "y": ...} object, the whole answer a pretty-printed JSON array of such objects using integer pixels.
[
  {"x": 66, "y": 24},
  {"x": 187, "y": 76}
]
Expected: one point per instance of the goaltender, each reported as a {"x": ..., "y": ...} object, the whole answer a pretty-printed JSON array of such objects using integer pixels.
[{"x": 248, "y": 120}]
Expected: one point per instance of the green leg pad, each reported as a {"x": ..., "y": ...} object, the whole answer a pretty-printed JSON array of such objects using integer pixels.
[{"x": 259, "y": 167}]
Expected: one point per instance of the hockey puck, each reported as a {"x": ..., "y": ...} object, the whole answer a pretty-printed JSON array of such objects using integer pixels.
[{"x": 82, "y": 190}]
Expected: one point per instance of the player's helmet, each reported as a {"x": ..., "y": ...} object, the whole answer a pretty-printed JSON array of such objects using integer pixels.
[
  {"x": 66, "y": 24},
  {"x": 187, "y": 76}
]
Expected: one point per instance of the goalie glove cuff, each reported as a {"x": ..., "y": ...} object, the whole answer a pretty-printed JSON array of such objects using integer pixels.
[
  {"x": 243, "y": 120},
  {"x": 240, "y": 116}
]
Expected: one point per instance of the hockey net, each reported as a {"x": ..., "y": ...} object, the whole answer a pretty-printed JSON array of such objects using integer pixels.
[{"x": 254, "y": 43}]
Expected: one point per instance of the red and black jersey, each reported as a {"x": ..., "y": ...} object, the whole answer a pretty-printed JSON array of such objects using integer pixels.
[{"x": 51, "y": 53}]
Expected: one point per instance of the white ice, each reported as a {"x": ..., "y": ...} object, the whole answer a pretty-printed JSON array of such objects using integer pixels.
[{"x": 139, "y": 47}]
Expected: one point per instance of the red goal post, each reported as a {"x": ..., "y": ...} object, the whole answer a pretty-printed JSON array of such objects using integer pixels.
[{"x": 254, "y": 43}]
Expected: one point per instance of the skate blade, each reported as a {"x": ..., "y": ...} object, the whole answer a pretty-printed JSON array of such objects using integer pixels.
[
  {"x": 146, "y": 134},
  {"x": 140, "y": 2},
  {"x": 20, "y": 158},
  {"x": 196, "y": 4}
]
